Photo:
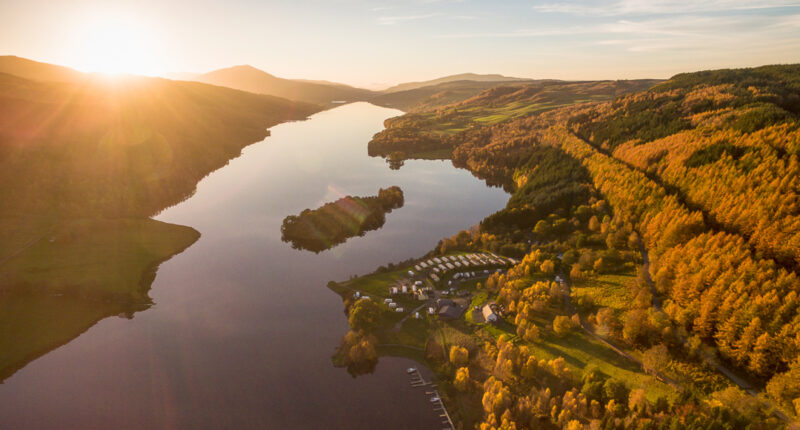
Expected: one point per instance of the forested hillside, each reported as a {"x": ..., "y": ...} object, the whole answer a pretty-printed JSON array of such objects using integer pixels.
[
  {"x": 438, "y": 127},
  {"x": 472, "y": 77},
  {"x": 121, "y": 148},
  {"x": 435, "y": 95},
  {"x": 693, "y": 183},
  {"x": 84, "y": 162}
]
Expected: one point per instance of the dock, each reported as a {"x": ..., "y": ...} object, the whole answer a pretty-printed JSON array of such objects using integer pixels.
[{"x": 438, "y": 406}]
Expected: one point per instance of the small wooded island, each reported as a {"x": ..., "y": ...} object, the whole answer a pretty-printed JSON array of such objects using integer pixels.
[{"x": 333, "y": 223}]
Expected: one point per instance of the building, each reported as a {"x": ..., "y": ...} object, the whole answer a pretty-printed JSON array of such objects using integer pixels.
[
  {"x": 489, "y": 315},
  {"x": 448, "y": 309}
]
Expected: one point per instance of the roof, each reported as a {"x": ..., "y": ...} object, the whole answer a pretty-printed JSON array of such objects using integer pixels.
[
  {"x": 450, "y": 311},
  {"x": 445, "y": 302},
  {"x": 488, "y": 313}
]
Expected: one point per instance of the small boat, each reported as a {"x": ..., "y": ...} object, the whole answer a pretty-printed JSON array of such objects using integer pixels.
[
  {"x": 434, "y": 399},
  {"x": 411, "y": 370}
]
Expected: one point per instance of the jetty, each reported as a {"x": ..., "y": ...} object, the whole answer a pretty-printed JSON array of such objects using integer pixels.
[{"x": 417, "y": 380}]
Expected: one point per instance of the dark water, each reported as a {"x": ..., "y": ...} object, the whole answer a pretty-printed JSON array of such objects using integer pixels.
[{"x": 243, "y": 327}]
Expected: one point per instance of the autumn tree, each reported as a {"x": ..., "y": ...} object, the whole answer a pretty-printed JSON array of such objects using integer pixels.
[
  {"x": 462, "y": 381},
  {"x": 562, "y": 325},
  {"x": 655, "y": 359},
  {"x": 459, "y": 356},
  {"x": 365, "y": 315}
]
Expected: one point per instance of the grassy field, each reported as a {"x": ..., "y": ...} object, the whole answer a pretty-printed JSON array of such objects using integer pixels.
[
  {"x": 581, "y": 352},
  {"x": 609, "y": 291},
  {"x": 100, "y": 259},
  {"x": 54, "y": 291},
  {"x": 17, "y": 233}
]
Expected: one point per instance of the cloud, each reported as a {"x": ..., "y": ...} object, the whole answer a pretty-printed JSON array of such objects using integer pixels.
[
  {"x": 679, "y": 33},
  {"x": 522, "y": 33},
  {"x": 789, "y": 21},
  {"x": 391, "y": 20},
  {"x": 657, "y": 7},
  {"x": 701, "y": 33}
]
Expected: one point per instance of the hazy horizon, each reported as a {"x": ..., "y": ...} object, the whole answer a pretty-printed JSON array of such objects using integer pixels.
[{"x": 378, "y": 44}]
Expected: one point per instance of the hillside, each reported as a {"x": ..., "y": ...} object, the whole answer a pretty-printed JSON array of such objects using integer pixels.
[
  {"x": 672, "y": 213},
  {"x": 82, "y": 167},
  {"x": 433, "y": 96},
  {"x": 37, "y": 71},
  {"x": 121, "y": 148},
  {"x": 473, "y": 77},
  {"x": 248, "y": 78},
  {"x": 424, "y": 130}
]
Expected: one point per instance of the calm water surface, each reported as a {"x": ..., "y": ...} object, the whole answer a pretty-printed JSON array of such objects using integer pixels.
[{"x": 243, "y": 325}]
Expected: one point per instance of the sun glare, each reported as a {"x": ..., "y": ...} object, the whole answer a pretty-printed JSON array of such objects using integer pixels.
[{"x": 117, "y": 45}]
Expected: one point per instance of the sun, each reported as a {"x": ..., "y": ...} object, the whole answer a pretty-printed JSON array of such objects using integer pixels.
[{"x": 117, "y": 45}]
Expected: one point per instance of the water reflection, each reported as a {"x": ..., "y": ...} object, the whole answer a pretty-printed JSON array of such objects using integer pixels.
[
  {"x": 243, "y": 328},
  {"x": 333, "y": 223}
]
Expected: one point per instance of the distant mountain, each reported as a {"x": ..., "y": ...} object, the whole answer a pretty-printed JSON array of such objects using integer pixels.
[
  {"x": 37, "y": 71},
  {"x": 453, "y": 78},
  {"x": 248, "y": 78},
  {"x": 432, "y": 96}
]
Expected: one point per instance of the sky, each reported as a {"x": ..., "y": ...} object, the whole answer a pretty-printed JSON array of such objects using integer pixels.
[{"x": 381, "y": 42}]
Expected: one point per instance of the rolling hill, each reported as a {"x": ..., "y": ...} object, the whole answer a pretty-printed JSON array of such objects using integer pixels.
[
  {"x": 474, "y": 77},
  {"x": 427, "y": 127},
  {"x": 128, "y": 147},
  {"x": 434, "y": 95},
  {"x": 38, "y": 71},
  {"x": 248, "y": 78}
]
